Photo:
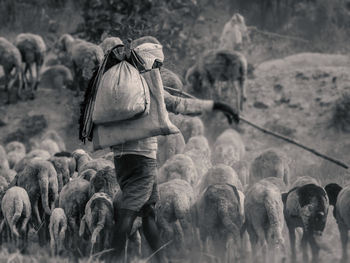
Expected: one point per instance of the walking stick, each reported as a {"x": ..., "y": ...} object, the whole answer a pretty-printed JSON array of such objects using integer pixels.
[{"x": 287, "y": 139}]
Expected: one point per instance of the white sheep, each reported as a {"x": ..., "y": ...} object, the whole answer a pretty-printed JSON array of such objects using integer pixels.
[
  {"x": 4, "y": 163},
  {"x": 110, "y": 42},
  {"x": 168, "y": 146},
  {"x": 339, "y": 198},
  {"x": 174, "y": 212},
  {"x": 220, "y": 217},
  {"x": 56, "y": 77},
  {"x": 57, "y": 227},
  {"x": 15, "y": 152},
  {"x": 179, "y": 166},
  {"x": 263, "y": 208},
  {"x": 220, "y": 174},
  {"x": 189, "y": 126},
  {"x": 270, "y": 163},
  {"x": 16, "y": 208},
  {"x": 10, "y": 58},
  {"x": 33, "y": 49},
  {"x": 99, "y": 220},
  {"x": 85, "y": 58}
]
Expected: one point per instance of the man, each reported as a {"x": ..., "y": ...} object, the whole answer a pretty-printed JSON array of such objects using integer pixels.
[
  {"x": 135, "y": 161},
  {"x": 136, "y": 170}
]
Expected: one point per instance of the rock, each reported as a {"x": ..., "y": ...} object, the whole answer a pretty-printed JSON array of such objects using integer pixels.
[
  {"x": 260, "y": 105},
  {"x": 278, "y": 88},
  {"x": 300, "y": 75}
]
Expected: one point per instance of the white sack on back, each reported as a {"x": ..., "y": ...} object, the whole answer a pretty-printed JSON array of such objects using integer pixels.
[{"x": 122, "y": 94}]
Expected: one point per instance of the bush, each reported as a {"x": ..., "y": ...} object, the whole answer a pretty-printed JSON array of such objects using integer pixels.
[{"x": 341, "y": 113}]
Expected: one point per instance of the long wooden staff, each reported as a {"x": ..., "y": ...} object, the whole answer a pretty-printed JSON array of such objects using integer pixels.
[{"x": 287, "y": 139}]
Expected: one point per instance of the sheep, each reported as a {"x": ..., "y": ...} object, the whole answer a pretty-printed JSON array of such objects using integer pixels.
[
  {"x": 87, "y": 174},
  {"x": 4, "y": 163},
  {"x": 84, "y": 162},
  {"x": 109, "y": 43},
  {"x": 56, "y": 77},
  {"x": 33, "y": 49},
  {"x": 99, "y": 220},
  {"x": 104, "y": 181},
  {"x": 197, "y": 148},
  {"x": 170, "y": 79},
  {"x": 339, "y": 198},
  {"x": 34, "y": 154},
  {"x": 8, "y": 175},
  {"x": 10, "y": 58},
  {"x": 220, "y": 218},
  {"x": 39, "y": 179},
  {"x": 307, "y": 207},
  {"x": 109, "y": 156},
  {"x": 218, "y": 65},
  {"x": 3, "y": 185},
  {"x": 72, "y": 200},
  {"x": 85, "y": 58},
  {"x": 168, "y": 146},
  {"x": 179, "y": 166},
  {"x": 264, "y": 220},
  {"x": 270, "y": 163},
  {"x": 234, "y": 33},
  {"x": 189, "y": 126},
  {"x": 72, "y": 161},
  {"x": 229, "y": 148},
  {"x": 220, "y": 173},
  {"x": 61, "y": 165},
  {"x": 16, "y": 208},
  {"x": 49, "y": 145},
  {"x": 15, "y": 152},
  {"x": 174, "y": 212},
  {"x": 57, "y": 228},
  {"x": 303, "y": 180},
  {"x": 81, "y": 158}
]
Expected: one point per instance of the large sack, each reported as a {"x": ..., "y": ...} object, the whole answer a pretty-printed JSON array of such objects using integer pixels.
[
  {"x": 155, "y": 123},
  {"x": 122, "y": 94}
]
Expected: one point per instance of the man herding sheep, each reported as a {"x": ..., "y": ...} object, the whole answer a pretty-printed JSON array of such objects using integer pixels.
[{"x": 135, "y": 159}]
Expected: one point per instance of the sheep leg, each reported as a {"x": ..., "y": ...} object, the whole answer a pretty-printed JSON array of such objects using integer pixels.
[
  {"x": 52, "y": 242},
  {"x": 292, "y": 243},
  {"x": 238, "y": 96},
  {"x": 344, "y": 242},
  {"x": 179, "y": 236},
  {"x": 253, "y": 239},
  {"x": 61, "y": 237},
  {"x": 304, "y": 243},
  {"x": 36, "y": 212},
  {"x": 37, "y": 71},
  {"x": 315, "y": 249}
]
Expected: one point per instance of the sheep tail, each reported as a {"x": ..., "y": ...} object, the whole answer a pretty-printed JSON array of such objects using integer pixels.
[
  {"x": 272, "y": 209},
  {"x": 16, "y": 216},
  {"x": 99, "y": 227}
]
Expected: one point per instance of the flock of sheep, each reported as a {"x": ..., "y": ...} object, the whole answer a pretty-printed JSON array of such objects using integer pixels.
[{"x": 211, "y": 198}]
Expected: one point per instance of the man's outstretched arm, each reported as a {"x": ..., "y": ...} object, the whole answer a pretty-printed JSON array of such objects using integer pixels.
[{"x": 192, "y": 107}]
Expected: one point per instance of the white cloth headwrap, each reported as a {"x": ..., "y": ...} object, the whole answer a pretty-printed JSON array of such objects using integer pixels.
[{"x": 149, "y": 52}]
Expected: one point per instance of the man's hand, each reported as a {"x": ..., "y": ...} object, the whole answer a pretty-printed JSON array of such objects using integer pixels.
[{"x": 229, "y": 112}]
